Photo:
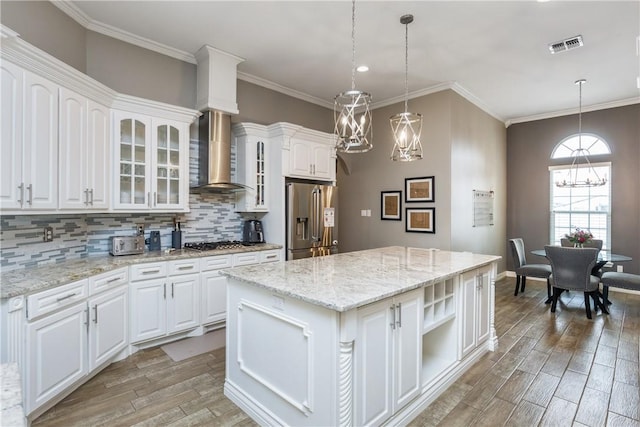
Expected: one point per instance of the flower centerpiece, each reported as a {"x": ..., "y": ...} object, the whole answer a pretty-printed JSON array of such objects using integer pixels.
[{"x": 579, "y": 237}]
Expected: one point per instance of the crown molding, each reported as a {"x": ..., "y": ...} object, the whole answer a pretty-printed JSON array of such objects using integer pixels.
[
  {"x": 73, "y": 12},
  {"x": 570, "y": 111},
  {"x": 100, "y": 27},
  {"x": 454, "y": 86},
  {"x": 283, "y": 89},
  {"x": 31, "y": 58},
  {"x": 154, "y": 108}
]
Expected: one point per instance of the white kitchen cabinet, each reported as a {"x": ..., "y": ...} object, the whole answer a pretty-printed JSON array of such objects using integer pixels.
[
  {"x": 56, "y": 355},
  {"x": 475, "y": 309},
  {"x": 151, "y": 163},
  {"x": 29, "y": 140},
  {"x": 162, "y": 305},
  {"x": 108, "y": 329},
  {"x": 309, "y": 159},
  {"x": 148, "y": 309},
  {"x": 388, "y": 365},
  {"x": 253, "y": 167},
  {"x": 84, "y": 153},
  {"x": 183, "y": 304},
  {"x": 214, "y": 288}
]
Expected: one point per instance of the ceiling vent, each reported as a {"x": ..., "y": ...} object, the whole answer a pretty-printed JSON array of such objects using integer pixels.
[{"x": 568, "y": 44}]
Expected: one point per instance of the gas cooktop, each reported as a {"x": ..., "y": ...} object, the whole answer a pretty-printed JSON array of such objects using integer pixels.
[{"x": 224, "y": 244}]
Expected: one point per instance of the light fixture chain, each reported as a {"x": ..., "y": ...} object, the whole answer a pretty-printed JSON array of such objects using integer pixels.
[
  {"x": 353, "y": 45},
  {"x": 406, "y": 67},
  {"x": 580, "y": 117}
]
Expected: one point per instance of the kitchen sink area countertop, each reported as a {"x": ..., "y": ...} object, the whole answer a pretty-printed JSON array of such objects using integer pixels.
[
  {"x": 345, "y": 281},
  {"x": 29, "y": 280}
]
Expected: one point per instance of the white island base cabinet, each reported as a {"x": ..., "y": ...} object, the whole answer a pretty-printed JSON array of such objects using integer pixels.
[{"x": 290, "y": 362}]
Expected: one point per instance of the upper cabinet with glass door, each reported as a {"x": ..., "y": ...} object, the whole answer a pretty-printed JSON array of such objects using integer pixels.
[{"x": 152, "y": 161}]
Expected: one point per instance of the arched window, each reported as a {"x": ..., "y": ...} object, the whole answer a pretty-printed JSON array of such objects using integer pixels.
[
  {"x": 569, "y": 146},
  {"x": 582, "y": 207}
]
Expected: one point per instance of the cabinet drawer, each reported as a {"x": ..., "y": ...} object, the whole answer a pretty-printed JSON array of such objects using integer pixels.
[
  {"x": 152, "y": 270},
  {"x": 246, "y": 258},
  {"x": 108, "y": 280},
  {"x": 269, "y": 256},
  {"x": 215, "y": 262},
  {"x": 184, "y": 266},
  {"x": 53, "y": 299}
]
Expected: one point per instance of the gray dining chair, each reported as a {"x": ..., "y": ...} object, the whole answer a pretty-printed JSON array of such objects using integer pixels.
[
  {"x": 571, "y": 270},
  {"x": 522, "y": 269},
  {"x": 594, "y": 243}
]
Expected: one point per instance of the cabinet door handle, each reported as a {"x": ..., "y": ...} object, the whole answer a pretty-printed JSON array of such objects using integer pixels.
[
  {"x": 172, "y": 290},
  {"x": 393, "y": 318},
  {"x": 164, "y": 291},
  {"x": 399, "y": 322},
  {"x": 30, "y": 190},
  {"x": 271, "y": 256},
  {"x": 113, "y": 280},
  {"x": 87, "y": 318},
  {"x": 91, "y": 199},
  {"x": 21, "y": 188},
  {"x": 185, "y": 267},
  {"x": 95, "y": 314},
  {"x": 155, "y": 199},
  {"x": 151, "y": 272},
  {"x": 86, "y": 196},
  {"x": 66, "y": 297},
  {"x": 149, "y": 198}
]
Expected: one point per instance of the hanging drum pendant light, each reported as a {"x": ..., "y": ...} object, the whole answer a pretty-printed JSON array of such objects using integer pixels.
[
  {"x": 406, "y": 127},
  {"x": 351, "y": 109}
]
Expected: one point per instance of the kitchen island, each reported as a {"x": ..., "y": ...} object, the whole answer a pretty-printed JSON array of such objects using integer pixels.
[{"x": 360, "y": 338}]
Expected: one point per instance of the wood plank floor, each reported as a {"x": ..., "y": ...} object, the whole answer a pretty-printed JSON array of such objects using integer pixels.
[{"x": 550, "y": 369}]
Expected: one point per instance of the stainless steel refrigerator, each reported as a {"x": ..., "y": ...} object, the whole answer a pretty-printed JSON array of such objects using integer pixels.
[{"x": 312, "y": 220}]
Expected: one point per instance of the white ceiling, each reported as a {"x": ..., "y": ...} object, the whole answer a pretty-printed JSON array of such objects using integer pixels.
[{"x": 494, "y": 53}]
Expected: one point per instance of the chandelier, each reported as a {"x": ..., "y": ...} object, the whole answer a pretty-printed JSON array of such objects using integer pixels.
[
  {"x": 351, "y": 109},
  {"x": 581, "y": 173},
  {"x": 406, "y": 127}
]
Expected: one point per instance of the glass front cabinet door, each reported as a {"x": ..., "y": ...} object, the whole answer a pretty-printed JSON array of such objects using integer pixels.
[
  {"x": 252, "y": 167},
  {"x": 151, "y": 163}
]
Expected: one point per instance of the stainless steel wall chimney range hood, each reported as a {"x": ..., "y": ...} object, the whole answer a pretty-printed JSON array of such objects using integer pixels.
[{"x": 214, "y": 154}]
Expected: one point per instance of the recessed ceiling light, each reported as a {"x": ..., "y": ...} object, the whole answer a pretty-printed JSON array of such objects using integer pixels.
[{"x": 362, "y": 69}]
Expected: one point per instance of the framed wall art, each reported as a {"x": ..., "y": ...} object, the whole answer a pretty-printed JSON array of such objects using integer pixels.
[
  {"x": 390, "y": 208},
  {"x": 421, "y": 220},
  {"x": 419, "y": 189}
]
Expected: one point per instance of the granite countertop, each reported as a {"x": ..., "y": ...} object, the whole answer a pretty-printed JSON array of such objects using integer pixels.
[
  {"x": 27, "y": 281},
  {"x": 11, "y": 413},
  {"x": 345, "y": 281}
]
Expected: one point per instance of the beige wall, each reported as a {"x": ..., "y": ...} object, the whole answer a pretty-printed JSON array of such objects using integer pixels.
[
  {"x": 478, "y": 162},
  {"x": 464, "y": 149},
  {"x": 264, "y": 106},
  {"x": 48, "y": 28},
  {"x": 136, "y": 71}
]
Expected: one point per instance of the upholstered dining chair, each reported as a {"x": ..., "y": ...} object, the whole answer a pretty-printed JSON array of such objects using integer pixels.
[
  {"x": 571, "y": 270},
  {"x": 522, "y": 269},
  {"x": 594, "y": 243}
]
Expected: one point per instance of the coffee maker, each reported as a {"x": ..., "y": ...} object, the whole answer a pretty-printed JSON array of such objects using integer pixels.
[{"x": 252, "y": 231}]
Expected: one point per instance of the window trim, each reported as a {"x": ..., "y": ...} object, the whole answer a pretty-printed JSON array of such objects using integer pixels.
[
  {"x": 576, "y": 136},
  {"x": 551, "y": 193}
]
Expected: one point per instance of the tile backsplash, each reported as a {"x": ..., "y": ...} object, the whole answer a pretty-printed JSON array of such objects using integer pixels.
[{"x": 212, "y": 217}]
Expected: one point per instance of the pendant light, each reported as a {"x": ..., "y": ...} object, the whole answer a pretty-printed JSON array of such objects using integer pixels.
[
  {"x": 351, "y": 109},
  {"x": 406, "y": 127},
  {"x": 581, "y": 173}
]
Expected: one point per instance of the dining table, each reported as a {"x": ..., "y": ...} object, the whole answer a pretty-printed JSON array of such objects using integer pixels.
[{"x": 604, "y": 257}]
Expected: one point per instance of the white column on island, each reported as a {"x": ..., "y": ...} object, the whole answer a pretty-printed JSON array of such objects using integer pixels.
[
  {"x": 348, "y": 330},
  {"x": 493, "y": 336}
]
